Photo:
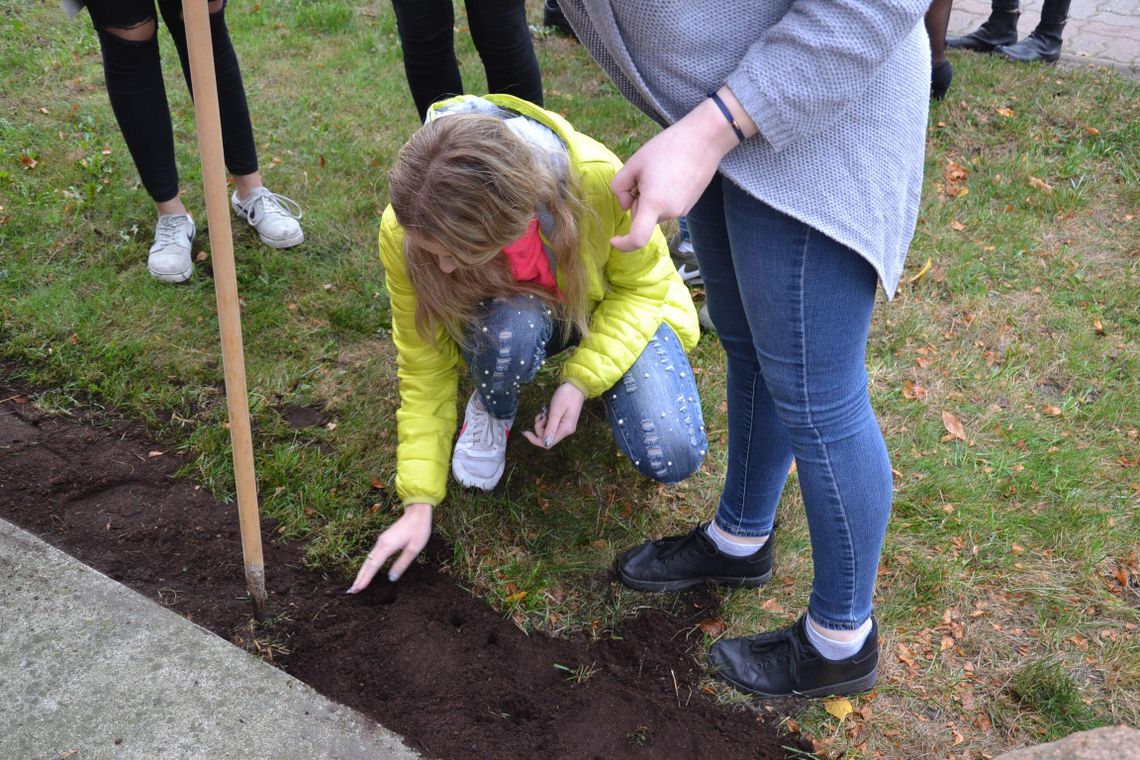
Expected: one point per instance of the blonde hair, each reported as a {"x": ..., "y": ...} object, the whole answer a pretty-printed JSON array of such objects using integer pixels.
[{"x": 470, "y": 184}]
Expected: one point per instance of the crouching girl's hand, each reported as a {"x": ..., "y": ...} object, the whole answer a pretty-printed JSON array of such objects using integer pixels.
[
  {"x": 559, "y": 419},
  {"x": 408, "y": 536}
]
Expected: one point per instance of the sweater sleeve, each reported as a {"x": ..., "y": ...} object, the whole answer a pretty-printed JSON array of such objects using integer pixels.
[
  {"x": 803, "y": 74},
  {"x": 429, "y": 381}
]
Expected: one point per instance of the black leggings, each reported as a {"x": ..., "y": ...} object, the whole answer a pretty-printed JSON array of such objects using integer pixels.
[
  {"x": 502, "y": 37},
  {"x": 138, "y": 96}
]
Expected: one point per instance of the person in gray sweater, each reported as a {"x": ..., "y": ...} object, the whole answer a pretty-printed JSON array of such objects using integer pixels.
[{"x": 793, "y": 141}]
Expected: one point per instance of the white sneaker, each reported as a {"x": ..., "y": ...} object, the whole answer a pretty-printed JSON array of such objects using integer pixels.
[
  {"x": 169, "y": 259},
  {"x": 481, "y": 452},
  {"x": 690, "y": 274},
  {"x": 273, "y": 216}
]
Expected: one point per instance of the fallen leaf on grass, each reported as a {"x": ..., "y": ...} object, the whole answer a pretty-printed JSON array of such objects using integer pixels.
[
  {"x": 955, "y": 172},
  {"x": 1041, "y": 184},
  {"x": 28, "y": 161},
  {"x": 953, "y": 426},
  {"x": 955, "y": 224},
  {"x": 518, "y": 596},
  {"x": 840, "y": 707},
  {"x": 1006, "y": 112},
  {"x": 712, "y": 627},
  {"x": 1098, "y": 328},
  {"x": 1092, "y": 131},
  {"x": 913, "y": 392},
  {"x": 771, "y": 605},
  {"x": 153, "y": 454}
]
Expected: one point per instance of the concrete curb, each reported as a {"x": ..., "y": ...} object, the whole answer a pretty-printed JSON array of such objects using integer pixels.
[{"x": 92, "y": 670}]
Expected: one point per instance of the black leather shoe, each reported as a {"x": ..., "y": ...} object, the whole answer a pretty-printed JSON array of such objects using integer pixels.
[
  {"x": 783, "y": 663},
  {"x": 1042, "y": 44},
  {"x": 999, "y": 29},
  {"x": 552, "y": 15},
  {"x": 680, "y": 562},
  {"x": 941, "y": 75}
]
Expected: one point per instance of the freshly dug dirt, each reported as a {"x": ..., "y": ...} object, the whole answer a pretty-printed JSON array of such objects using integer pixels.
[{"x": 423, "y": 656}]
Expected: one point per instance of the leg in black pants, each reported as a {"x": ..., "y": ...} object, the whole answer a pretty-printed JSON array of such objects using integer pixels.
[
  {"x": 937, "y": 19},
  {"x": 131, "y": 63},
  {"x": 501, "y": 35}
]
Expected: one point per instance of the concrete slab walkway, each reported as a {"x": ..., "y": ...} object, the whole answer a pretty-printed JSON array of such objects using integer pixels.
[
  {"x": 90, "y": 669},
  {"x": 1106, "y": 32}
]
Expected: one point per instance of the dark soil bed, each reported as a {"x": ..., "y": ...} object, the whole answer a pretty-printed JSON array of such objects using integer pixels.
[{"x": 423, "y": 657}]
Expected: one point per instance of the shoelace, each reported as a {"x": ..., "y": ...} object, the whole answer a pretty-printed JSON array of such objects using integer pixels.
[
  {"x": 696, "y": 538},
  {"x": 480, "y": 429},
  {"x": 272, "y": 203},
  {"x": 763, "y": 645},
  {"x": 168, "y": 230}
]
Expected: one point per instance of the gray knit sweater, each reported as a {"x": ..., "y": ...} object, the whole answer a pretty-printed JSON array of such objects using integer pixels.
[{"x": 839, "y": 89}]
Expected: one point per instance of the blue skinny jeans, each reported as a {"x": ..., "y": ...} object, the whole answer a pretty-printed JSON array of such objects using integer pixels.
[
  {"x": 792, "y": 308},
  {"x": 654, "y": 410}
]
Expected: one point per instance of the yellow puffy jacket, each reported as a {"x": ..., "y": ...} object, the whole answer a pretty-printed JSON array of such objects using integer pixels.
[{"x": 628, "y": 294}]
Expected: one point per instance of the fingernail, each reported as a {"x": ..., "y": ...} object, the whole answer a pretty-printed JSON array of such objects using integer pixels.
[
  {"x": 542, "y": 412},
  {"x": 393, "y": 576},
  {"x": 548, "y": 441},
  {"x": 351, "y": 590}
]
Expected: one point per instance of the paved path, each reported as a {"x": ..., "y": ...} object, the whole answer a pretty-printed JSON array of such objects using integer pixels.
[
  {"x": 91, "y": 670},
  {"x": 1098, "y": 31}
]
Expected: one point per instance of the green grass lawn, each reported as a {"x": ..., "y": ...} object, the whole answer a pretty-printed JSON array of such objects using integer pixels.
[{"x": 1009, "y": 593}]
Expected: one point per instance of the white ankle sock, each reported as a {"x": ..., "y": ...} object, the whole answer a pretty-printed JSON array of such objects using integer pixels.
[
  {"x": 837, "y": 645},
  {"x": 734, "y": 546}
]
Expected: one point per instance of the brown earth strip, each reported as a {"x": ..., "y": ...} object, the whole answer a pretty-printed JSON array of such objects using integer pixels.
[{"x": 423, "y": 657}]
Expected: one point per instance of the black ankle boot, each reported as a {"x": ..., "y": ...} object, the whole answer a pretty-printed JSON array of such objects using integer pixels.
[
  {"x": 999, "y": 29},
  {"x": 1042, "y": 44},
  {"x": 941, "y": 74}
]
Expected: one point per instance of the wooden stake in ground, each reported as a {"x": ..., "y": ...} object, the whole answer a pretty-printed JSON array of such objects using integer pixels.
[{"x": 195, "y": 14}]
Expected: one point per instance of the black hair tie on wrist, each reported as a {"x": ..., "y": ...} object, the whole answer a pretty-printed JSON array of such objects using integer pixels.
[{"x": 728, "y": 115}]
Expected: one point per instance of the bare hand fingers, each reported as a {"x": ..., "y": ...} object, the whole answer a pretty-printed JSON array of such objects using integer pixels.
[
  {"x": 640, "y": 229},
  {"x": 372, "y": 564},
  {"x": 402, "y": 562},
  {"x": 624, "y": 186}
]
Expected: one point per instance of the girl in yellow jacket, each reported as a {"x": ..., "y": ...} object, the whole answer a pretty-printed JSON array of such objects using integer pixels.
[{"x": 498, "y": 252}]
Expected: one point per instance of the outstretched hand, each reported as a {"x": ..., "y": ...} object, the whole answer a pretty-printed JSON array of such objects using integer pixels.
[
  {"x": 408, "y": 536},
  {"x": 667, "y": 175},
  {"x": 559, "y": 419}
]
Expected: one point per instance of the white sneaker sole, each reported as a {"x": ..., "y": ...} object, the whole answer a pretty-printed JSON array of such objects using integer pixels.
[
  {"x": 468, "y": 480},
  {"x": 172, "y": 277},
  {"x": 688, "y": 275},
  {"x": 288, "y": 242}
]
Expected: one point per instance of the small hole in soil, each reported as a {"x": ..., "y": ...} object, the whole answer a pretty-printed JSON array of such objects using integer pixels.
[
  {"x": 380, "y": 594},
  {"x": 492, "y": 638},
  {"x": 456, "y": 620}
]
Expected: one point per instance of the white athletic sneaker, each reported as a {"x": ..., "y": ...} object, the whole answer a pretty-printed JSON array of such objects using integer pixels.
[
  {"x": 273, "y": 216},
  {"x": 169, "y": 259},
  {"x": 481, "y": 452}
]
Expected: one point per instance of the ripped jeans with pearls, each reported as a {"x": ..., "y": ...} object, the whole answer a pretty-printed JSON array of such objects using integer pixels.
[{"x": 654, "y": 410}]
